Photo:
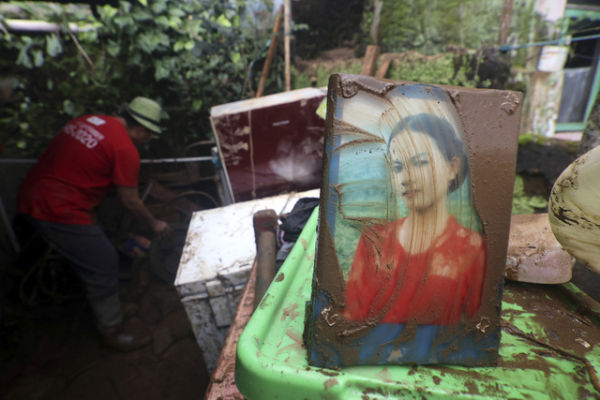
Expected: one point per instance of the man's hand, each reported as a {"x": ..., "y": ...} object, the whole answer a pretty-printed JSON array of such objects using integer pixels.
[
  {"x": 162, "y": 229},
  {"x": 131, "y": 200}
]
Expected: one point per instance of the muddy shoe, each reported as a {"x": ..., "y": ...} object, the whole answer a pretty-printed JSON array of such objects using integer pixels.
[{"x": 118, "y": 339}]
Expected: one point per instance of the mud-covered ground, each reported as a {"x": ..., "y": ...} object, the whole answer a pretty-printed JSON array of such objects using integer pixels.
[{"x": 52, "y": 351}]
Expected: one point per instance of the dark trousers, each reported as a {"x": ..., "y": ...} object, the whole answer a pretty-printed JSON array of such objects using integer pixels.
[
  {"x": 95, "y": 261},
  {"x": 92, "y": 255}
]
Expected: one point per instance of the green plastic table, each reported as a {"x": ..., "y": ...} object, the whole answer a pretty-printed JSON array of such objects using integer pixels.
[{"x": 549, "y": 348}]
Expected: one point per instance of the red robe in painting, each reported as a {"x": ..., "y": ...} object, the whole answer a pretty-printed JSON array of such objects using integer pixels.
[{"x": 436, "y": 287}]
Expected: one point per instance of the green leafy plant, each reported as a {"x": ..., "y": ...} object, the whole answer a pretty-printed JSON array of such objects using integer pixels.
[
  {"x": 188, "y": 55},
  {"x": 433, "y": 69},
  {"x": 429, "y": 27},
  {"x": 524, "y": 204}
]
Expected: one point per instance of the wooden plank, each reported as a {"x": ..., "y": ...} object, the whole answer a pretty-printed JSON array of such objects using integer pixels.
[
  {"x": 222, "y": 382},
  {"x": 370, "y": 60},
  {"x": 383, "y": 68}
]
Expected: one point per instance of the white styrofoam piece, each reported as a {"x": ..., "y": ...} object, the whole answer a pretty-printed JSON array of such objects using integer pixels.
[
  {"x": 220, "y": 242},
  {"x": 267, "y": 101}
]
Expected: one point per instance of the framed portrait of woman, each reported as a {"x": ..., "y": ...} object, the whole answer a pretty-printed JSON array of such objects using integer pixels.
[{"x": 413, "y": 224}]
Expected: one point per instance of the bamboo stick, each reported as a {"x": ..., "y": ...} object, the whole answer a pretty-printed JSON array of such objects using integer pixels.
[
  {"x": 270, "y": 53},
  {"x": 287, "y": 30}
]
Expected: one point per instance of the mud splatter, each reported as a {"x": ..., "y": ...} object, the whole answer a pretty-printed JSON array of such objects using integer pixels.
[
  {"x": 304, "y": 244},
  {"x": 290, "y": 312},
  {"x": 330, "y": 383}
]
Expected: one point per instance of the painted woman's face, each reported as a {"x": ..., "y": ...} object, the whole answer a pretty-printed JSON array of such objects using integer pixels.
[{"x": 420, "y": 172}]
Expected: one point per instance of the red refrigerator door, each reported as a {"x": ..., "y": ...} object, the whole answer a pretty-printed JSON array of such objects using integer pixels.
[{"x": 272, "y": 144}]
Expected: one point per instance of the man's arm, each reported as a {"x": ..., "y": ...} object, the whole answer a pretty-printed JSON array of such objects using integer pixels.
[{"x": 131, "y": 200}]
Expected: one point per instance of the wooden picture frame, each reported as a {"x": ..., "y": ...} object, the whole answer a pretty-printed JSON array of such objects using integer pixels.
[{"x": 413, "y": 225}]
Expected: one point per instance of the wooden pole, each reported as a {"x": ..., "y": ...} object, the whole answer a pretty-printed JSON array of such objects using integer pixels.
[
  {"x": 265, "y": 226},
  {"x": 505, "y": 22},
  {"x": 288, "y": 31},
  {"x": 270, "y": 53}
]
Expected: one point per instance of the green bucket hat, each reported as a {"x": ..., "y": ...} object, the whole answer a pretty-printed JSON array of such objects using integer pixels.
[{"x": 146, "y": 112}]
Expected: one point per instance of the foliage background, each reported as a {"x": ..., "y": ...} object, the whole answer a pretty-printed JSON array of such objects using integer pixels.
[
  {"x": 407, "y": 66},
  {"x": 326, "y": 24},
  {"x": 429, "y": 26},
  {"x": 194, "y": 54},
  {"x": 187, "y": 55}
]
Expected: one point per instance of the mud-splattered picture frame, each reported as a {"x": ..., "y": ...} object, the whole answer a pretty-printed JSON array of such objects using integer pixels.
[{"x": 411, "y": 249}]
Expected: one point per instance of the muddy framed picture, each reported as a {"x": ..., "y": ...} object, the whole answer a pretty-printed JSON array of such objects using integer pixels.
[{"x": 413, "y": 224}]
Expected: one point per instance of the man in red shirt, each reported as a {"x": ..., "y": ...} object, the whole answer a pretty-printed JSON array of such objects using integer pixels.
[{"x": 90, "y": 155}]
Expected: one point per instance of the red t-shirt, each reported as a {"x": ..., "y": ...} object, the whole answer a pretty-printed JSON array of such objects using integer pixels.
[
  {"x": 435, "y": 287},
  {"x": 88, "y": 156}
]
